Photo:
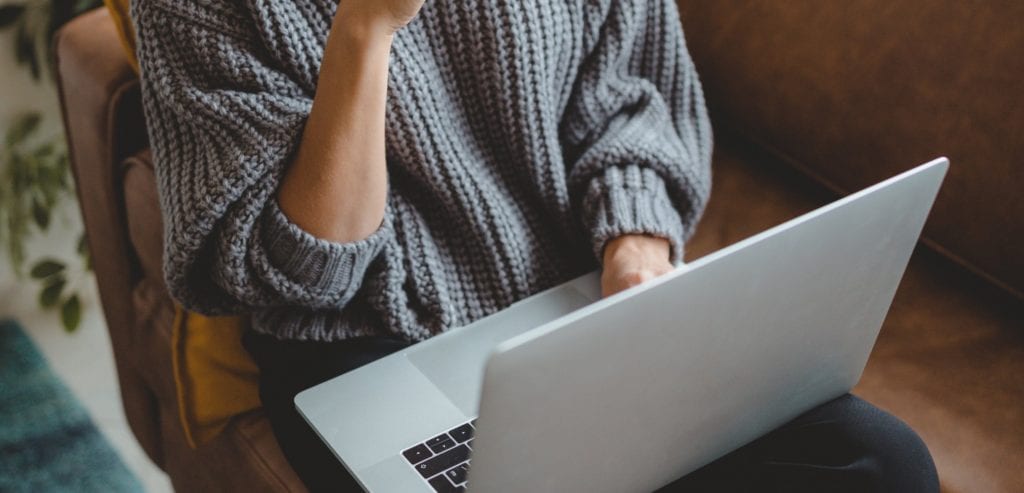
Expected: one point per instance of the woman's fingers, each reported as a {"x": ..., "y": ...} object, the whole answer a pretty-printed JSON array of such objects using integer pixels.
[
  {"x": 630, "y": 260},
  {"x": 616, "y": 278}
]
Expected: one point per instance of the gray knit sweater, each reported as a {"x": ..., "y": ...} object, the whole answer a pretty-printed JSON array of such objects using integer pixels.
[{"x": 521, "y": 136}]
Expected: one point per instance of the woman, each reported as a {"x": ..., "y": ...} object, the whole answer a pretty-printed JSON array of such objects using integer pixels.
[{"x": 365, "y": 175}]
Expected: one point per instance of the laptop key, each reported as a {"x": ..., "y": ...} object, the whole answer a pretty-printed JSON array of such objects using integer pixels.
[
  {"x": 438, "y": 439},
  {"x": 462, "y": 433},
  {"x": 458, "y": 474},
  {"x": 439, "y": 463},
  {"x": 440, "y": 447},
  {"x": 442, "y": 485},
  {"x": 417, "y": 454}
]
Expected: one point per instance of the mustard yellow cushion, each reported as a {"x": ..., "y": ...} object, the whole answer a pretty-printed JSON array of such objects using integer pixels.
[
  {"x": 119, "y": 14},
  {"x": 214, "y": 375}
]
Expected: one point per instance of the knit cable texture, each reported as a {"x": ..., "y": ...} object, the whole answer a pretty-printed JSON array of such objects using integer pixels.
[{"x": 521, "y": 136}]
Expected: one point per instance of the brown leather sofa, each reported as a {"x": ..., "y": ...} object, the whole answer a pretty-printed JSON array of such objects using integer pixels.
[{"x": 810, "y": 100}]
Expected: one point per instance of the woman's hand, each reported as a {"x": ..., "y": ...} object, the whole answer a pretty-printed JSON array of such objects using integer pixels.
[
  {"x": 632, "y": 259},
  {"x": 388, "y": 15}
]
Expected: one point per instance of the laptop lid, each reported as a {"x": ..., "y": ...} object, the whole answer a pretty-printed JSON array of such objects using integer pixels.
[{"x": 647, "y": 385}]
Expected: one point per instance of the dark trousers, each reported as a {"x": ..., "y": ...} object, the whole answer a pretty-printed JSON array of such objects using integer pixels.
[{"x": 845, "y": 445}]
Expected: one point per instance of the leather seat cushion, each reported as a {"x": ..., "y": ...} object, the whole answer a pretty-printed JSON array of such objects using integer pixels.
[{"x": 950, "y": 357}]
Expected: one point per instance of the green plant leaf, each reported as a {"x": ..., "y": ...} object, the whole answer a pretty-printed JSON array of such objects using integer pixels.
[
  {"x": 44, "y": 151},
  {"x": 41, "y": 214},
  {"x": 9, "y": 14},
  {"x": 46, "y": 268},
  {"x": 50, "y": 294},
  {"x": 83, "y": 246},
  {"x": 24, "y": 52},
  {"x": 83, "y": 252},
  {"x": 22, "y": 128},
  {"x": 71, "y": 313}
]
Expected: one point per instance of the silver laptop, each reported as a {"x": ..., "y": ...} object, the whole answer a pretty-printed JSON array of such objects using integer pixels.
[{"x": 568, "y": 392}]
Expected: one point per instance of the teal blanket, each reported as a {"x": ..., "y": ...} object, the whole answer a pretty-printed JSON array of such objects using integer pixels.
[{"x": 47, "y": 440}]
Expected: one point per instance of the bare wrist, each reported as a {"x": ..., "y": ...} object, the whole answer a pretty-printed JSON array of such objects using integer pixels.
[{"x": 356, "y": 25}]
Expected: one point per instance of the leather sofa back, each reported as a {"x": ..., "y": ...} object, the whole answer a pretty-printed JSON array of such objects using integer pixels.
[{"x": 853, "y": 92}]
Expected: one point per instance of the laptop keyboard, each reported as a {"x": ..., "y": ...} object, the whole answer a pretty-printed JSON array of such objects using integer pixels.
[{"x": 444, "y": 460}]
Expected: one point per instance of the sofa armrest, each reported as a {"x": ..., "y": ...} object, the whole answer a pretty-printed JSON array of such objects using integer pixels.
[{"x": 103, "y": 123}]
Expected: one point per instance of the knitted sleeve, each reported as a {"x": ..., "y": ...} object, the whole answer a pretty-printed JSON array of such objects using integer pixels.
[
  {"x": 636, "y": 130},
  {"x": 223, "y": 122}
]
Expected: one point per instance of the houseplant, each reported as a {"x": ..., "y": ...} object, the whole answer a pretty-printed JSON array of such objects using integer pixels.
[{"x": 34, "y": 172}]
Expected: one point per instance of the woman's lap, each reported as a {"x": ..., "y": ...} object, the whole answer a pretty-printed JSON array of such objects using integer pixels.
[
  {"x": 289, "y": 367},
  {"x": 844, "y": 445}
]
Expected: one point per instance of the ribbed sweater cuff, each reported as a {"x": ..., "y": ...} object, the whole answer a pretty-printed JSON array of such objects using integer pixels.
[
  {"x": 631, "y": 200},
  {"x": 322, "y": 269}
]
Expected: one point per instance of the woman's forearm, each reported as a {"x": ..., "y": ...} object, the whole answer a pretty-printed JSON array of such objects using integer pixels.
[{"x": 336, "y": 188}]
